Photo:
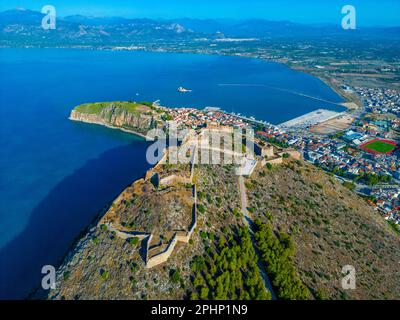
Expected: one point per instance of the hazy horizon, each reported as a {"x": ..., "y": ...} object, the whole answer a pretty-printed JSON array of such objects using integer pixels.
[{"x": 382, "y": 14}]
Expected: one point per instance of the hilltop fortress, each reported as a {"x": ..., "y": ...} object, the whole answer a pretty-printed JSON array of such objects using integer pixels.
[
  {"x": 161, "y": 229},
  {"x": 159, "y": 243}
]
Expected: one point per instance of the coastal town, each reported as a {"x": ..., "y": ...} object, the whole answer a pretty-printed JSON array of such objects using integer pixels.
[
  {"x": 363, "y": 154},
  {"x": 195, "y": 118}
]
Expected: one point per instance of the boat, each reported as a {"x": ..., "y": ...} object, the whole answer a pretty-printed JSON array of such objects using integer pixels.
[
  {"x": 208, "y": 109},
  {"x": 183, "y": 90}
]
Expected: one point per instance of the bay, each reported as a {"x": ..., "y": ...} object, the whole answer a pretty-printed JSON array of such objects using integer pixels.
[{"x": 55, "y": 174}]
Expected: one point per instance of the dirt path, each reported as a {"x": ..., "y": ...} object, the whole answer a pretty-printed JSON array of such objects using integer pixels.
[{"x": 249, "y": 221}]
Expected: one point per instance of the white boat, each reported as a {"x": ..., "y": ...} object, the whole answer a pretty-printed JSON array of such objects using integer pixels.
[
  {"x": 207, "y": 109},
  {"x": 183, "y": 90}
]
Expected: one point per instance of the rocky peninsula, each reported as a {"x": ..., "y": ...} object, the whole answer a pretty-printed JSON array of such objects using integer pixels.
[{"x": 133, "y": 117}]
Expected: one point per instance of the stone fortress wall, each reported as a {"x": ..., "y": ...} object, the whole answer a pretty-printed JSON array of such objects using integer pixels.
[
  {"x": 179, "y": 236},
  {"x": 265, "y": 153}
]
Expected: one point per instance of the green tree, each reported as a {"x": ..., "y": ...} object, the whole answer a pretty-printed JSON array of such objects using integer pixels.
[
  {"x": 175, "y": 276},
  {"x": 134, "y": 240},
  {"x": 204, "y": 293}
]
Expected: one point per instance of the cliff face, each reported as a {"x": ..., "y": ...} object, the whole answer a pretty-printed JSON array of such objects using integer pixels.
[{"x": 114, "y": 115}]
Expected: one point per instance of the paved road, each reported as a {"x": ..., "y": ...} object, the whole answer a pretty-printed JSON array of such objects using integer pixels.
[{"x": 249, "y": 221}]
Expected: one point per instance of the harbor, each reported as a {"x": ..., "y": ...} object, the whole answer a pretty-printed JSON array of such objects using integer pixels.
[{"x": 310, "y": 119}]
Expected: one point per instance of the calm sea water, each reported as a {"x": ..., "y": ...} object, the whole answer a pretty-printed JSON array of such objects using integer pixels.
[{"x": 55, "y": 175}]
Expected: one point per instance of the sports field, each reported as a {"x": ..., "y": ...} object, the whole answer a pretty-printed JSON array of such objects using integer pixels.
[{"x": 378, "y": 146}]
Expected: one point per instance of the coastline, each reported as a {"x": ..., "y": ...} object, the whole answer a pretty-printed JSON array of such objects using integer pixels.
[
  {"x": 140, "y": 135},
  {"x": 351, "y": 102},
  {"x": 349, "y": 99},
  {"x": 82, "y": 238}
]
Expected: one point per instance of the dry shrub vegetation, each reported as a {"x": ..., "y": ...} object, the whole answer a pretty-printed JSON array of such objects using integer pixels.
[{"x": 329, "y": 227}]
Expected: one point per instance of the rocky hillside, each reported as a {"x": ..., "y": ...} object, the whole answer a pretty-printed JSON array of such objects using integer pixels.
[
  {"x": 307, "y": 228},
  {"x": 330, "y": 227},
  {"x": 22, "y": 27},
  {"x": 130, "y": 116},
  {"x": 104, "y": 266}
]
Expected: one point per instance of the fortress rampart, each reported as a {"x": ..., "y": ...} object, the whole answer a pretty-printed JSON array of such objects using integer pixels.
[{"x": 179, "y": 236}]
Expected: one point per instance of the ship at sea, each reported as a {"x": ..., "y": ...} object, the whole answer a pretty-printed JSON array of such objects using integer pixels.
[{"x": 184, "y": 90}]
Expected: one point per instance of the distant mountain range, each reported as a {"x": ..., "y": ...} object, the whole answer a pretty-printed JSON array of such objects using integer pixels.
[{"x": 22, "y": 26}]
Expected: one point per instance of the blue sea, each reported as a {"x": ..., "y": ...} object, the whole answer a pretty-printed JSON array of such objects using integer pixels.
[{"x": 56, "y": 175}]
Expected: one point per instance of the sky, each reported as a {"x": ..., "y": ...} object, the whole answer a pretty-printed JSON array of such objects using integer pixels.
[{"x": 369, "y": 12}]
